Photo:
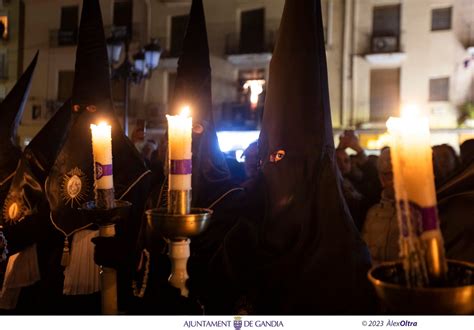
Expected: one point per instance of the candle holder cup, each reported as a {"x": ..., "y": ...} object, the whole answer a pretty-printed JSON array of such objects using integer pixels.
[
  {"x": 456, "y": 296},
  {"x": 178, "y": 229},
  {"x": 106, "y": 218}
]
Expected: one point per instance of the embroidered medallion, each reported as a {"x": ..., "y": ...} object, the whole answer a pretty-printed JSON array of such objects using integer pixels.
[
  {"x": 13, "y": 210},
  {"x": 74, "y": 187}
]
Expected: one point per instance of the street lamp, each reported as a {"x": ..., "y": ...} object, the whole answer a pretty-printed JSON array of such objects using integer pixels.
[{"x": 144, "y": 62}]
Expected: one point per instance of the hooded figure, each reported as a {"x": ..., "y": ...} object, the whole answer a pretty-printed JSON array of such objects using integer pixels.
[
  {"x": 70, "y": 181},
  {"x": 11, "y": 111},
  {"x": 456, "y": 213},
  {"x": 24, "y": 212},
  {"x": 301, "y": 253},
  {"x": 211, "y": 176},
  {"x": 212, "y": 186}
]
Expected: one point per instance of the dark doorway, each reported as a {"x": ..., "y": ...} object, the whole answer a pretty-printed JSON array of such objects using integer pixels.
[
  {"x": 252, "y": 31},
  {"x": 386, "y": 21},
  {"x": 384, "y": 94},
  {"x": 123, "y": 10},
  {"x": 69, "y": 21},
  {"x": 178, "y": 30}
]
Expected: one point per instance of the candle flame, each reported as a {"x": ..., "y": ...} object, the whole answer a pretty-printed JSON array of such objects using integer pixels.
[
  {"x": 410, "y": 111},
  {"x": 185, "y": 111},
  {"x": 101, "y": 124},
  {"x": 256, "y": 88}
]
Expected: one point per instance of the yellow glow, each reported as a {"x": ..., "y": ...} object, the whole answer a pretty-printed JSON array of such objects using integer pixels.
[
  {"x": 256, "y": 88},
  {"x": 4, "y": 20},
  {"x": 383, "y": 140},
  {"x": 410, "y": 111},
  {"x": 185, "y": 111}
]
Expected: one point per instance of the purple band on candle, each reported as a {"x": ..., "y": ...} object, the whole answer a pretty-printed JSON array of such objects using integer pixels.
[
  {"x": 429, "y": 218},
  {"x": 421, "y": 218},
  {"x": 102, "y": 170},
  {"x": 181, "y": 166}
]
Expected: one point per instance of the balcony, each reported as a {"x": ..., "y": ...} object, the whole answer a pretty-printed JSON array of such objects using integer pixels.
[
  {"x": 385, "y": 50},
  {"x": 242, "y": 52},
  {"x": 63, "y": 37}
]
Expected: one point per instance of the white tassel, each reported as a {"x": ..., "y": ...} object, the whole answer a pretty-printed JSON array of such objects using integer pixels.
[{"x": 81, "y": 276}]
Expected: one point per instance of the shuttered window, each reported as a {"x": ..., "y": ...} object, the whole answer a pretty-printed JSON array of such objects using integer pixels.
[
  {"x": 439, "y": 89},
  {"x": 441, "y": 19}
]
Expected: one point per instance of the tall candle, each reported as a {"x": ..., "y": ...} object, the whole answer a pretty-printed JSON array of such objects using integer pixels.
[
  {"x": 179, "y": 150},
  {"x": 102, "y": 151},
  {"x": 412, "y": 163}
]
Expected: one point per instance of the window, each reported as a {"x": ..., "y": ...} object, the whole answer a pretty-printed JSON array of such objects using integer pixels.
[
  {"x": 439, "y": 89},
  {"x": 384, "y": 93},
  {"x": 386, "y": 21},
  {"x": 123, "y": 16},
  {"x": 441, "y": 19},
  {"x": 65, "y": 83},
  {"x": 252, "y": 31},
  {"x": 67, "y": 34},
  {"x": 178, "y": 30}
]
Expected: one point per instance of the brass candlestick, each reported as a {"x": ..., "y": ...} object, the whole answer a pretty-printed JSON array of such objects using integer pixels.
[
  {"x": 456, "y": 296},
  {"x": 178, "y": 223}
]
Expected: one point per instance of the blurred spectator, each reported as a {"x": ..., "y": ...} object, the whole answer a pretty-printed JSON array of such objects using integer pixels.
[
  {"x": 380, "y": 230},
  {"x": 361, "y": 186},
  {"x": 467, "y": 152},
  {"x": 445, "y": 163},
  {"x": 148, "y": 148}
]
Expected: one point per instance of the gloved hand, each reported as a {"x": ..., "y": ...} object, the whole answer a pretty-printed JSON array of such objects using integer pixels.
[{"x": 109, "y": 252}]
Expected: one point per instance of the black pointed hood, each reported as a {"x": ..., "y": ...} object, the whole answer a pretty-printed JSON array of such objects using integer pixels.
[
  {"x": 71, "y": 180},
  {"x": 310, "y": 247},
  {"x": 92, "y": 73},
  {"x": 11, "y": 111},
  {"x": 193, "y": 82},
  {"x": 26, "y": 189},
  {"x": 211, "y": 176}
]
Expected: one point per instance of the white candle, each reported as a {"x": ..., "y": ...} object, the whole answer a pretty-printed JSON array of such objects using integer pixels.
[
  {"x": 412, "y": 158},
  {"x": 102, "y": 151},
  {"x": 413, "y": 177},
  {"x": 179, "y": 150}
]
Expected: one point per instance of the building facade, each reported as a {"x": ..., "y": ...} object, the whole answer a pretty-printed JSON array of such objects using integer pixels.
[
  {"x": 11, "y": 42},
  {"x": 381, "y": 54}
]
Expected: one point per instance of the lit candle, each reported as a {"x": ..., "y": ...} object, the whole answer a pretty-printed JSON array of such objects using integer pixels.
[
  {"x": 102, "y": 151},
  {"x": 179, "y": 150},
  {"x": 412, "y": 163}
]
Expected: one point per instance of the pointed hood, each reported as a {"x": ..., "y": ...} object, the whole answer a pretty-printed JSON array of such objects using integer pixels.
[
  {"x": 306, "y": 220},
  {"x": 92, "y": 73},
  {"x": 71, "y": 180},
  {"x": 11, "y": 111},
  {"x": 211, "y": 176},
  {"x": 193, "y": 82},
  {"x": 26, "y": 190}
]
